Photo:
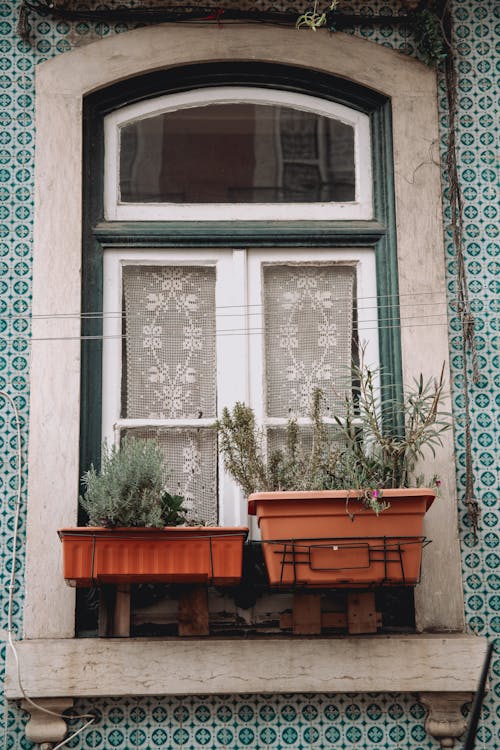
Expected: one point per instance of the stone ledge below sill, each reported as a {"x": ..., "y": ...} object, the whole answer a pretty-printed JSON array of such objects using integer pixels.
[{"x": 101, "y": 667}]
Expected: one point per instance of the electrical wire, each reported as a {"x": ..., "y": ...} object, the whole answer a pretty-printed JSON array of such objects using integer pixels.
[
  {"x": 389, "y": 322},
  {"x": 193, "y": 15},
  {"x": 229, "y": 332},
  {"x": 79, "y": 731},
  {"x": 377, "y": 299}
]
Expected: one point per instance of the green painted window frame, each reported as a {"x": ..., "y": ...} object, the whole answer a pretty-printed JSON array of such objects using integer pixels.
[{"x": 379, "y": 232}]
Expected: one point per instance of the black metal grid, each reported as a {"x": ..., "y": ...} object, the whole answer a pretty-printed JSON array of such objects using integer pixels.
[{"x": 387, "y": 550}]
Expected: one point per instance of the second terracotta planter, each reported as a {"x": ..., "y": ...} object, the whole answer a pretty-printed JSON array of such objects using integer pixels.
[{"x": 329, "y": 539}]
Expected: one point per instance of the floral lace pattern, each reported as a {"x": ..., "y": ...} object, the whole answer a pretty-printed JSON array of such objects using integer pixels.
[
  {"x": 170, "y": 342},
  {"x": 308, "y": 331}
]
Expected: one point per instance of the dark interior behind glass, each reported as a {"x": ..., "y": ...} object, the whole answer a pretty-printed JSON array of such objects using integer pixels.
[{"x": 237, "y": 153}]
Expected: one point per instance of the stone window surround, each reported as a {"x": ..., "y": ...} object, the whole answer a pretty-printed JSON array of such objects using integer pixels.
[{"x": 428, "y": 664}]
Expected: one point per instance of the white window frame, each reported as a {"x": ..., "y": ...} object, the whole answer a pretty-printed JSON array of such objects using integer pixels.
[
  {"x": 240, "y": 342},
  {"x": 360, "y": 208}
]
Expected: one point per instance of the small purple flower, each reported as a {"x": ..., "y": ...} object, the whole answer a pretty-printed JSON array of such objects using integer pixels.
[{"x": 375, "y": 493}]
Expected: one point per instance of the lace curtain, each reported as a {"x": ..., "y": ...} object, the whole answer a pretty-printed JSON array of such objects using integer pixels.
[
  {"x": 308, "y": 335},
  {"x": 170, "y": 360},
  {"x": 170, "y": 373}
]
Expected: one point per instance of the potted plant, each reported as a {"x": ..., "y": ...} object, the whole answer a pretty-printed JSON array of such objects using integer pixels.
[
  {"x": 334, "y": 505},
  {"x": 138, "y": 531}
]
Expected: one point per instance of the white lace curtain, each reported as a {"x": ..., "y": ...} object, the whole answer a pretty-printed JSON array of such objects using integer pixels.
[
  {"x": 170, "y": 342},
  {"x": 308, "y": 334},
  {"x": 170, "y": 373}
]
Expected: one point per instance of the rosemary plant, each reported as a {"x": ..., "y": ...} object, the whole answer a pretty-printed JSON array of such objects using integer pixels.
[
  {"x": 356, "y": 452},
  {"x": 129, "y": 490},
  {"x": 378, "y": 454}
]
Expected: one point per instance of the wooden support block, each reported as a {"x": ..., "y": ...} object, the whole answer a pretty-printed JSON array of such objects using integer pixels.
[
  {"x": 193, "y": 611},
  {"x": 306, "y": 615},
  {"x": 121, "y": 619},
  {"x": 107, "y": 596},
  {"x": 114, "y": 611},
  {"x": 362, "y": 617},
  {"x": 334, "y": 620}
]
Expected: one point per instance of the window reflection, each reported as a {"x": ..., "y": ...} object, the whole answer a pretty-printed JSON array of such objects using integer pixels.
[{"x": 237, "y": 153}]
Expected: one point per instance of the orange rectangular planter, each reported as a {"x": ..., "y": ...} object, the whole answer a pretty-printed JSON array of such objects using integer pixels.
[
  {"x": 329, "y": 539},
  {"x": 175, "y": 554}
]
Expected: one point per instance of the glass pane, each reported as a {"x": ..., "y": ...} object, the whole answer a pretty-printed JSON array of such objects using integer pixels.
[
  {"x": 237, "y": 153},
  {"x": 191, "y": 456},
  {"x": 308, "y": 324},
  {"x": 169, "y": 359}
]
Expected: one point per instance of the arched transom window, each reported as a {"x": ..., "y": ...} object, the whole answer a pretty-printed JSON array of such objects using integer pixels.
[{"x": 238, "y": 153}]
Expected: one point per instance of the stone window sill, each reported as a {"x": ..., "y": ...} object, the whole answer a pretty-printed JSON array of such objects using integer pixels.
[{"x": 118, "y": 667}]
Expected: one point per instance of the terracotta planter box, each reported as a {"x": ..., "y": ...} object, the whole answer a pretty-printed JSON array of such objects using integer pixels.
[
  {"x": 175, "y": 554},
  {"x": 310, "y": 539}
]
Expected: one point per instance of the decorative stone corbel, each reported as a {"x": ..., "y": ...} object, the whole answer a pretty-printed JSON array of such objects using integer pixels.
[
  {"x": 45, "y": 728},
  {"x": 445, "y": 721}
]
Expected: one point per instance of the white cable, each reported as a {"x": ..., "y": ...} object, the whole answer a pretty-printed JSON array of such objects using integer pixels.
[
  {"x": 119, "y": 313},
  {"x": 246, "y": 331},
  {"x": 65, "y": 742},
  {"x": 10, "y": 600},
  {"x": 17, "y": 509}
]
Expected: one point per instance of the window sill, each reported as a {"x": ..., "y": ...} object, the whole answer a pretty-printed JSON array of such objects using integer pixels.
[{"x": 70, "y": 668}]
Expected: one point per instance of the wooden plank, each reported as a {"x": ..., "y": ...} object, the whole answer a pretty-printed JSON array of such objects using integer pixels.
[
  {"x": 306, "y": 614},
  {"x": 106, "y": 610},
  {"x": 193, "y": 611},
  {"x": 333, "y": 620},
  {"x": 362, "y": 617},
  {"x": 121, "y": 615}
]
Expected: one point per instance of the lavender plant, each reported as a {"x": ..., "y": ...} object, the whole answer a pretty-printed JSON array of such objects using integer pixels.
[{"x": 129, "y": 489}]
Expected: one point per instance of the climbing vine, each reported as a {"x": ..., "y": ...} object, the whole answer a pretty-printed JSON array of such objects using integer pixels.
[{"x": 462, "y": 301}]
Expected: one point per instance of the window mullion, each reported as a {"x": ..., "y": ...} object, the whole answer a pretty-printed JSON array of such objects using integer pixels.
[
  {"x": 112, "y": 345},
  {"x": 232, "y": 365}
]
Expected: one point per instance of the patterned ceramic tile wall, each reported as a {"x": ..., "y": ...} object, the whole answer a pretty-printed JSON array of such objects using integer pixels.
[{"x": 272, "y": 722}]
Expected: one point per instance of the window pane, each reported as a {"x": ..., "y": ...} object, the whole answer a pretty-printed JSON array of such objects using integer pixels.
[
  {"x": 170, "y": 360},
  {"x": 237, "y": 153},
  {"x": 308, "y": 323},
  {"x": 191, "y": 456}
]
